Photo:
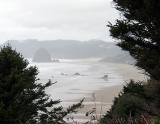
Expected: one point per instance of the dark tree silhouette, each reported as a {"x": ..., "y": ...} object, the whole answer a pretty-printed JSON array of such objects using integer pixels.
[
  {"x": 22, "y": 99},
  {"x": 139, "y": 32}
]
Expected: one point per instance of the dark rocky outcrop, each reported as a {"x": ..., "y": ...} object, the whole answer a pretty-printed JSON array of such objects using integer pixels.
[{"x": 42, "y": 55}]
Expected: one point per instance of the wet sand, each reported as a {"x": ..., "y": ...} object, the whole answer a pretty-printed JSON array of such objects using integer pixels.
[{"x": 100, "y": 101}]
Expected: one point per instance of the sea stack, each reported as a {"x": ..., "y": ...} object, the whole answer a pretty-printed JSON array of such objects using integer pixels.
[{"x": 42, "y": 55}]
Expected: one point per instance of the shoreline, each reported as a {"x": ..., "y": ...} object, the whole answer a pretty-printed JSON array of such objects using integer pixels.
[{"x": 102, "y": 99}]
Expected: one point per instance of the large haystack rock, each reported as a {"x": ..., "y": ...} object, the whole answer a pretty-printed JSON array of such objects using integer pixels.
[{"x": 42, "y": 55}]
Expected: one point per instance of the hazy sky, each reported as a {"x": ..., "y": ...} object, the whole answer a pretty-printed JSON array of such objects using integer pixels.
[{"x": 55, "y": 19}]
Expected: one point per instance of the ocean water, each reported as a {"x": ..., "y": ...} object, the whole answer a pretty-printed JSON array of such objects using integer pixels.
[{"x": 77, "y": 78}]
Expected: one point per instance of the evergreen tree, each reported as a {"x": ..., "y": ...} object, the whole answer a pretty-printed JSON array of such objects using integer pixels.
[
  {"x": 22, "y": 99},
  {"x": 139, "y": 32}
]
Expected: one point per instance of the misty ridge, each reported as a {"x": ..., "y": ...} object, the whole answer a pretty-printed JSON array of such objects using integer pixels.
[{"x": 73, "y": 49}]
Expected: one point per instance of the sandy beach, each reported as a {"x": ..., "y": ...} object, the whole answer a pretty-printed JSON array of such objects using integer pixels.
[
  {"x": 98, "y": 82},
  {"x": 101, "y": 100}
]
